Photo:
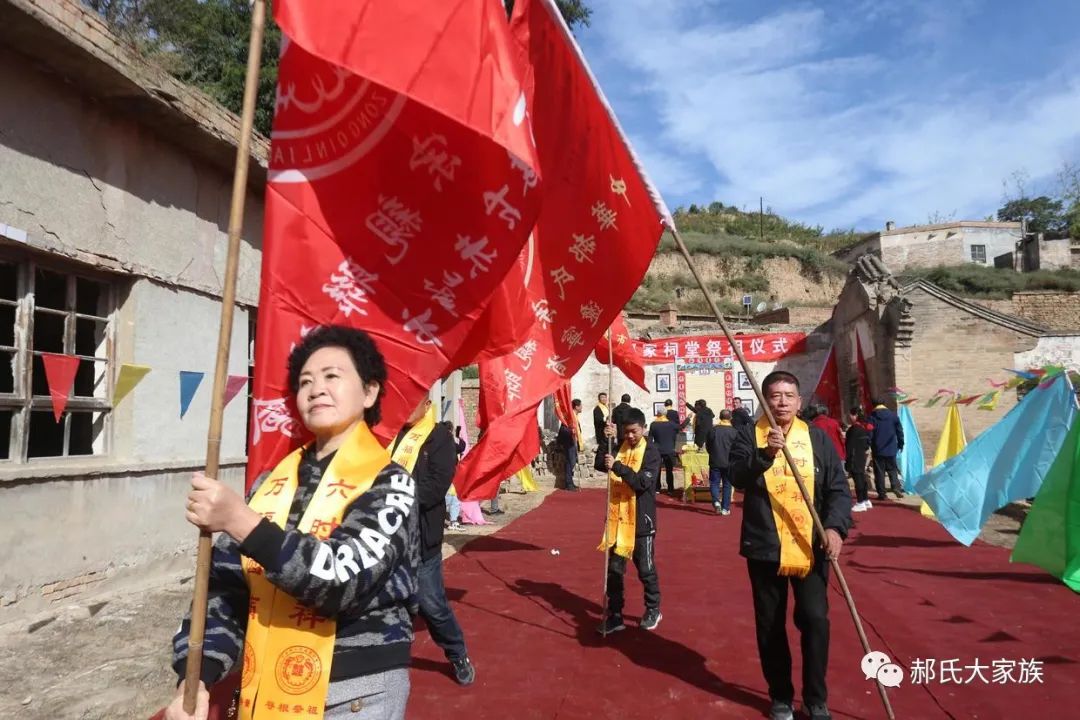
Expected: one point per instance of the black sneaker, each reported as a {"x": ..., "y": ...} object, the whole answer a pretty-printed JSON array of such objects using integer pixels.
[
  {"x": 781, "y": 710},
  {"x": 819, "y": 712},
  {"x": 614, "y": 623},
  {"x": 651, "y": 619},
  {"x": 899, "y": 494},
  {"x": 464, "y": 671}
]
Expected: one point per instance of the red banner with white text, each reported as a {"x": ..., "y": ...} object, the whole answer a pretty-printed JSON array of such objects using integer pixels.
[
  {"x": 402, "y": 186},
  {"x": 597, "y": 231}
]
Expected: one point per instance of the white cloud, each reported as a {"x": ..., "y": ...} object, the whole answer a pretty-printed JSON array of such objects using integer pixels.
[{"x": 782, "y": 107}]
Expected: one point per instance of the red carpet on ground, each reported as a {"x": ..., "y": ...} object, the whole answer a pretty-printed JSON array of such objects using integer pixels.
[{"x": 530, "y": 622}]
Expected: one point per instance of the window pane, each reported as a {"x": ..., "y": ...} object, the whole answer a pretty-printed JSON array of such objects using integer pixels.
[
  {"x": 86, "y": 433},
  {"x": 48, "y": 332},
  {"x": 90, "y": 297},
  {"x": 7, "y": 375},
  {"x": 90, "y": 379},
  {"x": 50, "y": 289},
  {"x": 90, "y": 337},
  {"x": 7, "y": 325},
  {"x": 46, "y": 435},
  {"x": 5, "y": 433},
  {"x": 9, "y": 281}
]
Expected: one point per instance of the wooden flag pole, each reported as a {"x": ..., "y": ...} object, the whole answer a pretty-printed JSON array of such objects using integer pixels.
[
  {"x": 607, "y": 479},
  {"x": 228, "y": 300},
  {"x": 818, "y": 527}
]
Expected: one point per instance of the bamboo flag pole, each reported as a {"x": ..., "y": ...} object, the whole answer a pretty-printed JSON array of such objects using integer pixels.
[
  {"x": 228, "y": 301},
  {"x": 607, "y": 479},
  {"x": 818, "y": 527}
]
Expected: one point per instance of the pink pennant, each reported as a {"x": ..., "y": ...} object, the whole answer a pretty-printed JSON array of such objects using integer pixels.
[
  {"x": 60, "y": 375},
  {"x": 233, "y": 385}
]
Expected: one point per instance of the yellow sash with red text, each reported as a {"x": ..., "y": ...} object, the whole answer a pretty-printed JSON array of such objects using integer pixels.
[
  {"x": 408, "y": 450},
  {"x": 622, "y": 510},
  {"x": 794, "y": 524},
  {"x": 288, "y": 647}
]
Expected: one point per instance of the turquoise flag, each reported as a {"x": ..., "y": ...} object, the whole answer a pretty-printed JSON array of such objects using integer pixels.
[
  {"x": 910, "y": 460},
  {"x": 189, "y": 383},
  {"x": 1005, "y": 463},
  {"x": 1050, "y": 537}
]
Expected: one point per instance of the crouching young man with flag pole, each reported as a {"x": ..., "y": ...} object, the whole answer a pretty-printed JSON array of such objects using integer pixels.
[{"x": 631, "y": 521}]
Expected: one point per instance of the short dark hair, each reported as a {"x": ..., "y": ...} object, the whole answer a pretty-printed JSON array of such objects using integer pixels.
[
  {"x": 725, "y": 414},
  {"x": 634, "y": 417},
  {"x": 601, "y": 395},
  {"x": 575, "y": 403},
  {"x": 365, "y": 355},
  {"x": 875, "y": 401},
  {"x": 668, "y": 403},
  {"x": 778, "y": 376},
  {"x": 739, "y": 399},
  {"x": 625, "y": 398},
  {"x": 856, "y": 412}
]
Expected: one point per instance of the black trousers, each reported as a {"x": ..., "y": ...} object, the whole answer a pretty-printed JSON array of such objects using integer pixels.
[
  {"x": 883, "y": 465},
  {"x": 811, "y": 618},
  {"x": 861, "y": 486},
  {"x": 645, "y": 561},
  {"x": 669, "y": 466}
]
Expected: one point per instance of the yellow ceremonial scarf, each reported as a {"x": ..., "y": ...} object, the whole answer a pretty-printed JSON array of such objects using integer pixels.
[
  {"x": 288, "y": 648},
  {"x": 790, "y": 513},
  {"x": 724, "y": 423},
  {"x": 622, "y": 512},
  {"x": 408, "y": 449},
  {"x": 661, "y": 418},
  {"x": 603, "y": 409}
]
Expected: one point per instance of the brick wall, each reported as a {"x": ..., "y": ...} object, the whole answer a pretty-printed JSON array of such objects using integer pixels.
[
  {"x": 1056, "y": 310},
  {"x": 952, "y": 349}
]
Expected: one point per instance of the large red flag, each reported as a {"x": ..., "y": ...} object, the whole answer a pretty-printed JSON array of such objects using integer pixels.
[
  {"x": 597, "y": 232},
  {"x": 627, "y": 352},
  {"x": 402, "y": 188}
]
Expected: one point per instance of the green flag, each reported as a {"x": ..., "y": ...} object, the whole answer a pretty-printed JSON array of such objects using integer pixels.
[{"x": 1050, "y": 537}]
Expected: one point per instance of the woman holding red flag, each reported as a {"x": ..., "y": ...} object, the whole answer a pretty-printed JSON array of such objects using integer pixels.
[{"x": 313, "y": 581}]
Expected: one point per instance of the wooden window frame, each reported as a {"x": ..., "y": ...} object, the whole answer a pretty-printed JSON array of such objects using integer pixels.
[{"x": 22, "y": 401}]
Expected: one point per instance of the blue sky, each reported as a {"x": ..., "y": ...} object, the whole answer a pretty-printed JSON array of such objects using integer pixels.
[{"x": 843, "y": 112}]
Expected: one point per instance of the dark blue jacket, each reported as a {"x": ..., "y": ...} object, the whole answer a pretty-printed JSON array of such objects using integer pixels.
[
  {"x": 663, "y": 433},
  {"x": 887, "y": 437}
]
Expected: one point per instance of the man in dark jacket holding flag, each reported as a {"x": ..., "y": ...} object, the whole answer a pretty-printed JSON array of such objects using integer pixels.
[{"x": 780, "y": 545}]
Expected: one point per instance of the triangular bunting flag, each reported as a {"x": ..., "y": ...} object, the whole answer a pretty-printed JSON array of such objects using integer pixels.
[
  {"x": 129, "y": 377},
  {"x": 189, "y": 383},
  {"x": 60, "y": 375},
  {"x": 233, "y": 385}
]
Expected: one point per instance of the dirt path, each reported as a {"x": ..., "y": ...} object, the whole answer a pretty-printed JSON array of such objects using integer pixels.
[{"x": 107, "y": 658}]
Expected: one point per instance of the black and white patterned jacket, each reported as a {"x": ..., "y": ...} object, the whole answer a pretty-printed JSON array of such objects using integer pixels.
[{"x": 373, "y": 606}]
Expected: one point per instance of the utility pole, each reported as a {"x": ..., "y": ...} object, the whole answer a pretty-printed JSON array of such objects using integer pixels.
[{"x": 761, "y": 217}]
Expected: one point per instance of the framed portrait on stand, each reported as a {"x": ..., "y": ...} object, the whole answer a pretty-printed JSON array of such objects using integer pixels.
[
  {"x": 663, "y": 382},
  {"x": 744, "y": 382}
]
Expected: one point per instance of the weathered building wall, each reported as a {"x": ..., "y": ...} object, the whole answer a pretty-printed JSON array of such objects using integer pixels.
[
  {"x": 101, "y": 188},
  {"x": 1056, "y": 310},
  {"x": 85, "y": 185},
  {"x": 951, "y": 348}
]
